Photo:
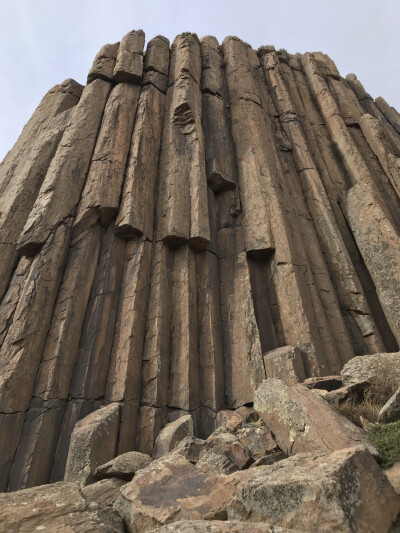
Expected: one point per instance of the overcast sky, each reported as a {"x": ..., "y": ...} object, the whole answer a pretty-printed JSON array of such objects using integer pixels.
[{"x": 42, "y": 42}]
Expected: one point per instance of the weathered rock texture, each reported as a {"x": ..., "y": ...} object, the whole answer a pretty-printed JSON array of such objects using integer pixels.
[{"x": 192, "y": 213}]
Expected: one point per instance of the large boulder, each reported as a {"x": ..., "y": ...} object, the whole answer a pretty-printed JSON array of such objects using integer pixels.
[
  {"x": 302, "y": 421},
  {"x": 172, "y": 488},
  {"x": 344, "y": 491},
  {"x": 93, "y": 443},
  {"x": 367, "y": 367},
  {"x": 124, "y": 466},
  {"x": 104, "y": 492},
  {"x": 172, "y": 434},
  {"x": 285, "y": 363},
  {"x": 56, "y": 508}
]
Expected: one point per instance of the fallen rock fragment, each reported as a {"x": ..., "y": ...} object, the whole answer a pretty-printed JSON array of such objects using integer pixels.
[
  {"x": 285, "y": 363},
  {"x": 217, "y": 526},
  {"x": 103, "y": 492},
  {"x": 93, "y": 442},
  {"x": 390, "y": 412},
  {"x": 57, "y": 508},
  {"x": 366, "y": 367},
  {"x": 124, "y": 466},
  {"x": 345, "y": 491},
  {"x": 171, "y": 434},
  {"x": 302, "y": 421}
]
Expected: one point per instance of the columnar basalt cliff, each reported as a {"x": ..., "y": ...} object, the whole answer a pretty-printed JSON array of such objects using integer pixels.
[{"x": 162, "y": 229}]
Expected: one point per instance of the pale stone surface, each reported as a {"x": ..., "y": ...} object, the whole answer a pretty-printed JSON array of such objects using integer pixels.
[
  {"x": 124, "y": 466},
  {"x": 302, "y": 421},
  {"x": 285, "y": 363},
  {"x": 156, "y": 63},
  {"x": 344, "y": 491},
  {"x": 172, "y": 434},
  {"x": 393, "y": 475},
  {"x": 57, "y": 508},
  {"x": 129, "y": 63},
  {"x": 103, "y": 492},
  {"x": 93, "y": 442},
  {"x": 104, "y": 63},
  {"x": 365, "y": 368}
]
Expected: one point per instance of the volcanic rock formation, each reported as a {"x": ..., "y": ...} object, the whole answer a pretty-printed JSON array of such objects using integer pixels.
[{"x": 164, "y": 228}]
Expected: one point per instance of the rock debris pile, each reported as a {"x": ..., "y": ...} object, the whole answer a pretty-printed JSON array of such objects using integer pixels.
[{"x": 196, "y": 219}]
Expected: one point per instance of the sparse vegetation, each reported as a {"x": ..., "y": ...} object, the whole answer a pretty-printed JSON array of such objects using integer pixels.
[
  {"x": 386, "y": 437},
  {"x": 283, "y": 51}
]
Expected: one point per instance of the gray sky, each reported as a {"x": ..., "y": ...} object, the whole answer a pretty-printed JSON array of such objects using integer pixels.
[{"x": 42, "y": 42}]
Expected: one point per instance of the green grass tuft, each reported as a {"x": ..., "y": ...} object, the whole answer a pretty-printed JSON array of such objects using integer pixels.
[
  {"x": 283, "y": 50},
  {"x": 386, "y": 437}
]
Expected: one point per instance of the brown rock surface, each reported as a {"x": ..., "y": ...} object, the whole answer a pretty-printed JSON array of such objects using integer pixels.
[
  {"x": 57, "y": 508},
  {"x": 93, "y": 442},
  {"x": 173, "y": 228},
  {"x": 124, "y": 466},
  {"x": 217, "y": 526},
  {"x": 172, "y": 434},
  {"x": 302, "y": 421},
  {"x": 344, "y": 491}
]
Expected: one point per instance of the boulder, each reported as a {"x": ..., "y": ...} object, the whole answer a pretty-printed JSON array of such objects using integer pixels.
[
  {"x": 104, "y": 492},
  {"x": 217, "y": 526},
  {"x": 344, "y": 491},
  {"x": 93, "y": 442},
  {"x": 258, "y": 438},
  {"x": 366, "y": 367},
  {"x": 170, "y": 489},
  {"x": 57, "y": 508},
  {"x": 124, "y": 466},
  {"x": 171, "y": 434},
  {"x": 302, "y": 421},
  {"x": 390, "y": 412},
  {"x": 285, "y": 363}
]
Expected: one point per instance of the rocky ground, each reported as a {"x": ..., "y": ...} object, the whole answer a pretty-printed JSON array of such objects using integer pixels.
[{"x": 291, "y": 462}]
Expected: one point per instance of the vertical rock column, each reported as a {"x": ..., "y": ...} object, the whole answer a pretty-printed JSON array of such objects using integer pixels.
[
  {"x": 61, "y": 189},
  {"x": 258, "y": 177},
  {"x": 19, "y": 196},
  {"x": 136, "y": 212},
  {"x": 348, "y": 286},
  {"x": 182, "y": 205}
]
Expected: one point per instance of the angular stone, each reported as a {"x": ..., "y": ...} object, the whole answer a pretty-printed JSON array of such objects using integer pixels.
[
  {"x": 212, "y": 80},
  {"x": 93, "y": 442},
  {"x": 185, "y": 58},
  {"x": 124, "y": 466},
  {"x": 393, "y": 475},
  {"x": 61, "y": 189},
  {"x": 136, "y": 210},
  {"x": 285, "y": 363},
  {"x": 172, "y": 434},
  {"x": 328, "y": 383},
  {"x": 23, "y": 345},
  {"x": 103, "y": 492},
  {"x": 390, "y": 412},
  {"x": 379, "y": 244},
  {"x": 129, "y": 63},
  {"x": 302, "y": 421},
  {"x": 364, "y": 368},
  {"x": 344, "y": 491},
  {"x": 186, "y": 493},
  {"x": 58, "y": 507},
  {"x": 104, "y": 63},
  {"x": 101, "y": 193}
]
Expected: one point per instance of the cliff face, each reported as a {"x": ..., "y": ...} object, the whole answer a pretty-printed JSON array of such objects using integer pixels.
[{"x": 189, "y": 210}]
